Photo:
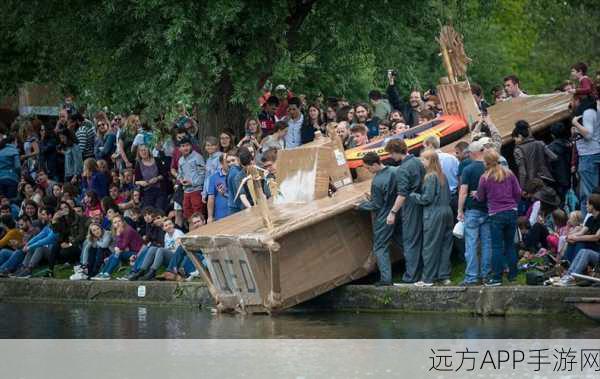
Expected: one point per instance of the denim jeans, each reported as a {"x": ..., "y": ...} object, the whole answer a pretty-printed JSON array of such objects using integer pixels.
[
  {"x": 10, "y": 259},
  {"x": 115, "y": 259},
  {"x": 588, "y": 177},
  {"x": 572, "y": 251},
  {"x": 584, "y": 258},
  {"x": 180, "y": 258},
  {"x": 503, "y": 228},
  {"x": 477, "y": 229}
]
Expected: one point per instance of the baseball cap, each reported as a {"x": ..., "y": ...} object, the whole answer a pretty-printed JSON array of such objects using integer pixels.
[{"x": 475, "y": 146}]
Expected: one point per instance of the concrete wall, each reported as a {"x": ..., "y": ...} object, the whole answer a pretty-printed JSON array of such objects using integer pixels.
[{"x": 497, "y": 301}]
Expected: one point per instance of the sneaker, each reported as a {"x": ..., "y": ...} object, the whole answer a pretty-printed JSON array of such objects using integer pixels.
[
  {"x": 468, "y": 284},
  {"x": 78, "y": 276},
  {"x": 193, "y": 275},
  {"x": 423, "y": 284},
  {"x": 493, "y": 283},
  {"x": 150, "y": 275},
  {"x": 101, "y": 276},
  {"x": 565, "y": 281},
  {"x": 445, "y": 282},
  {"x": 133, "y": 276},
  {"x": 382, "y": 284},
  {"x": 24, "y": 274}
]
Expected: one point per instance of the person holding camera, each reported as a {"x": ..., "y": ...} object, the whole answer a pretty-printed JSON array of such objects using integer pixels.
[{"x": 409, "y": 110}]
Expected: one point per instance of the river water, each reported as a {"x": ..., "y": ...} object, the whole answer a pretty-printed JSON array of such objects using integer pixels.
[{"x": 44, "y": 320}]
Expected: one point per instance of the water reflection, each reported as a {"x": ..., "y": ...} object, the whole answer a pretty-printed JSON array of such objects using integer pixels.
[{"x": 21, "y": 320}]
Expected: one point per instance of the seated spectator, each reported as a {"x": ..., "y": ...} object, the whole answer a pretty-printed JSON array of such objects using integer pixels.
[
  {"x": 180, "y": 264},
  {"x": 92, "y": 204},
  {"x": 164, "y": 255},
  {"x": 70, "y": 230},
  {"x": 98, "y": 245},
  {"x": 582, "y": 261},
  {"x": 587, "y": 237},
  {"x": 153, "y": 237},
  {"x": 38, "y": 247},
  {"x": 127, "y": 245},
  {"x": 10, "y": 242}
]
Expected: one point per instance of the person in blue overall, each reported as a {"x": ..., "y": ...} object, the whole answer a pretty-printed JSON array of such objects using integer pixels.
[
  {"x": 383, "y": 195},
  {"x": 409, "y": 178}
]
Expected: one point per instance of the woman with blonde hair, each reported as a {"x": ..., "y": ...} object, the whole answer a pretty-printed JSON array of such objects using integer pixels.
[
  {"x": 97, "y": 246},
  {"x": 437, "y": 222},
  {"x": 499, "y": 187}
]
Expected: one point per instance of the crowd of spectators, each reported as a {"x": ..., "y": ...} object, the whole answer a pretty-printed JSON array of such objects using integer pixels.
[{"x": 108, "y": 191}]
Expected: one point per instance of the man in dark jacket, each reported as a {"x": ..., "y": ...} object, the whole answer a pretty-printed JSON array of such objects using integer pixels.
[
  {"x": 409, "y": 110},
  {"x": 532, "y": 157}
]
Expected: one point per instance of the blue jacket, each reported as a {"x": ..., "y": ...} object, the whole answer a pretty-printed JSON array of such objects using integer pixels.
[
  {"x": 10, "y": 165},
  {"x": 105, "y": 147},
  {"x": 98, "y": 184},
  {"x": 235, "y": 204},
  {"x": 46, "y": 237}
]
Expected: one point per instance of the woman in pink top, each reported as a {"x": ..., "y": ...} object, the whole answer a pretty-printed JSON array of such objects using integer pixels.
[
  {"x": 127, "y": 245},
  {"x": 499, "y": 187}
]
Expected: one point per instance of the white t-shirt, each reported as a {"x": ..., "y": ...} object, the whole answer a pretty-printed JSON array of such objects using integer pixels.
[{"x": 171, "y": 241}]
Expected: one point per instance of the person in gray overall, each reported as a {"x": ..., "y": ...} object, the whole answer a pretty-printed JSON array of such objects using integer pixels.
[
  {"x": 409, "y": 177},
  {"x": 437, "y": 222},
  {"x": 383, "y": 195}
]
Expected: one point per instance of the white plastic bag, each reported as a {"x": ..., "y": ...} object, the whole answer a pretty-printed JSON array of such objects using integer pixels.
[{"x": 459, "y": 230}]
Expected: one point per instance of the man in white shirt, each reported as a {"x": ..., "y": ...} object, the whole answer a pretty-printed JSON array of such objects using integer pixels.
[
  {"x": 295, "y": 121},
  {"x": 512, "y": 87}
]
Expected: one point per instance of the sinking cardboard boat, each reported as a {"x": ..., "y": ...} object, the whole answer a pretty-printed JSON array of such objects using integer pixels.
[{"x": 316, "y": 242}]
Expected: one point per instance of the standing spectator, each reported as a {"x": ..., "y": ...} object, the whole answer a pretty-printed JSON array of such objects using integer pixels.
[
  {"x": 409, "y": 178},
  {"x": 586, "y": 87},
  {"x": 410, "y": 111},
  {"x": 10, "y": 167},
  {"x": 499, "y": 188},
  {"x": 226, "y": 141},
  {"x": 474, "y": 214},
  {"x": 363, "y": 116},
  {"x": 94, "y": 180},
  {"x": 276, "y": 140},
  {"x": 383, "y": 195},
  {"x": 284, "y": 95},
  {"x": 448, "y": 161},
  {"x": 478, "y": 95},
  {"x": 381, "y": 106},
  {"x": 330, "y": 113},
  {"x": 213, "y": 160},
  {"x": 127, "y": 244},
  {"x": 346, "y": 114},
  {"x": 561, "y": 167},
  {"x": 267, "y": 116},
  {"x": 48, "y": 155},
  {"x": 124, "y": 155},
  {"x": 217, "y": 192},
  {"x": 437, "y": 222},
  {"x": 293, "y": 137},
  {"x": 252, "y": 133},
  {"x": 31, "y": 149},
  {"x": 72, "y": 155},
  {"x": 233, "y": 166},
  {"x": 360, "y": 135},
  {"x": 343, "y": 131},
  {"x": 150, "y": 174},
  {"x": 532, "y": 157},
  {"x": 191, "y": 176},
  {"x": 512, "y": 87},
  {"x": 85, "y": 134},
  {"x": 312, "y": 124},
  {"x": 105, "y": 143},
  {"x": 585, "y": 126}
]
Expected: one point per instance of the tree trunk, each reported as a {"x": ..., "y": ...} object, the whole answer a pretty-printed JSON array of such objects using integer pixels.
[{"x": 221, "y": 114}]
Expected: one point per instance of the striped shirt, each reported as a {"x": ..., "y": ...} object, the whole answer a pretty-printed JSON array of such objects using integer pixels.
[{"x": 86, "y": 136}]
